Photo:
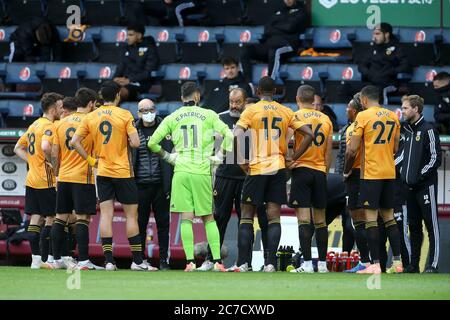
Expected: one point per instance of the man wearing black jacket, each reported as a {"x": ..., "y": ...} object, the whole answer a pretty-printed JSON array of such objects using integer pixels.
[
  {"x": 35, "y": 41},
  {"x": 217, "y": 98},
  {"x": 153, "y": 179},
  {"x": 421, "y": 159},
  {"x": 282, "y": 29},
  {"x": 441, "y": 84},
  {"x": 138, "y": 60},
  {"x": 384, "y": 60}
]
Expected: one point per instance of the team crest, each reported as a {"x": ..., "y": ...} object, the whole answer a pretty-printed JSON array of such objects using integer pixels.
[
  {"x": 105, "y": 73},
  {"x": 215, "y": 193},
  {"x": 335, "y": 36},
  {"x": 420, "y": 36},
  {"x": 48, "y": 133},
  {"x": 65, "y": 73},
  {"x": 203, "y": 36},
  {"x": 163, "y": 36},
  {"x": 185, "y": 73},
  {"x": 418, "y": 136},
  {"x": 121, "y": 36},
  {"x": 347, "y": 73},
  {"x": 307, "y": 73},
  {"x": 264, "y": 72},
  {"x": 430, "y": 75},
  {"x": 245, "y": 36},
  {"x": 28, "y": 110},
  {"x": 25, "y": 74}
]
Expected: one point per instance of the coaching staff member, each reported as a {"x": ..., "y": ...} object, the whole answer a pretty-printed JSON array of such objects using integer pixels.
[
  {"x": 421, "y": 160},
  {"x": 153, "y": 178}
]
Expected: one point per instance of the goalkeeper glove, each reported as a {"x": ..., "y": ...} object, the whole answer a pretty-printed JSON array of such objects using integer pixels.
[{"x": 170, "y": 157}]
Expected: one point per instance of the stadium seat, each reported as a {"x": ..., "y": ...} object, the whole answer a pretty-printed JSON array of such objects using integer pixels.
[
  {"x": 342, "y": 82},
  {"x": 56, "y": 10},
  {"x": 21, "y": 108},
  {"x": 419, "y": 45},
  {"x": 59, "y": 77},
  {"x": 444, "y": 47},
  {"x": 174, "y": 75},
  {"x": 293, "y": 106},
  {"x": 326, "y": 38},
  {"x": 214, "y": 73},
  {"x": 200, "y": 45},
  {"x": 166, "y": 43},
  {"x": 236, "y": 37},
  {"x": 259, "y": 71},
  {"x": 258, "y": 11},
  {"x": 20, "y": 11},
  {"x": 422, "y": 82},
  {"x": 224, "y": 12},
  {"x": 94, "y": 74},
  {"x": 85, "y": 50},
  {"x": 112, "y": 40},
  {"x": 340, "y": 109},
  {"x": 23, "y": 76},
  {"x": 5, "y": 33},
  {"x": 295, "y": 75},
  {"x": 104, "y": 12},
  {"x": 130, "y": 106}
]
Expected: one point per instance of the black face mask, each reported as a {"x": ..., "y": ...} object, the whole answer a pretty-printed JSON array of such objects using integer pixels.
[
  {"x": 189, "y": 103},
  {"x": 443, "y": 89}
]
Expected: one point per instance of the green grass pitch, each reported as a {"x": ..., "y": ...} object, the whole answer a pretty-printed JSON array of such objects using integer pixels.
[{"x": 24, "y": 283}]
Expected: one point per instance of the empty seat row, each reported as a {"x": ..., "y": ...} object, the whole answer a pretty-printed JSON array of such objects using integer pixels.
[{"x": 103, "y": 12}]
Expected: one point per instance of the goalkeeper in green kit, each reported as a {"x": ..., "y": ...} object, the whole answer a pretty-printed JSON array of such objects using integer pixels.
[{"x": 192, "y": 129}]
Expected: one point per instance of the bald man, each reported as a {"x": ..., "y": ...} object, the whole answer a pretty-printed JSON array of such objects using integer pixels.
[{"x": 153, "y": 179}]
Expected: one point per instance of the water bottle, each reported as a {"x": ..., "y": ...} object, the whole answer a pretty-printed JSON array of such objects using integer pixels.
[{"x": 150, "y": 233}]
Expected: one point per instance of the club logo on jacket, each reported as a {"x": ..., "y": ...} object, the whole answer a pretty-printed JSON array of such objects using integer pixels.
[
  {"x": 418, "y": 135},
  {"x": 390, "y": 50},
  {"x": 426, "y": 199}
]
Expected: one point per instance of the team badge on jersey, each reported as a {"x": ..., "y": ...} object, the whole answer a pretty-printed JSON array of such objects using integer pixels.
[{"x": 48, "y": 133}]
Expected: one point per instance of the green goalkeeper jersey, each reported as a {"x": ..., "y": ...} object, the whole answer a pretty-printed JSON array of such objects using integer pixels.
[{"x": 192, "y": 130}]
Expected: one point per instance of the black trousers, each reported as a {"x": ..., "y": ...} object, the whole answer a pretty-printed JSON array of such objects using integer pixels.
[
  {"x": 227, "y": 193},
  {"x": 422, "y": 206},
  {"x": 401, "y": 217},
  {"x": 263, "y": 52},
  {"x": 152, "y": 198}
]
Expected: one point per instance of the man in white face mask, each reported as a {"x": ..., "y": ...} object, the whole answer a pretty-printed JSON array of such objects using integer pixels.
[{"x": 153, "y": 179}]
